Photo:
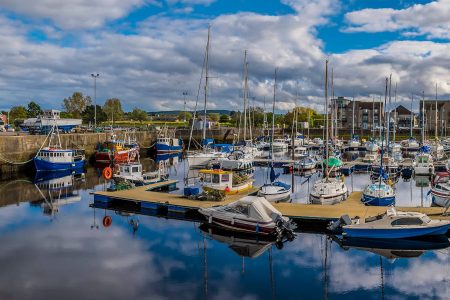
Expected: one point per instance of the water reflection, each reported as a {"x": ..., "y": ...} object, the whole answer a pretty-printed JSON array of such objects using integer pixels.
[{"x": 150, "y": 256}]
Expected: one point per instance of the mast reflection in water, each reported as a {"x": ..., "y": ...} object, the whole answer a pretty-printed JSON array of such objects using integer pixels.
[{"x": 137, "y": 255}]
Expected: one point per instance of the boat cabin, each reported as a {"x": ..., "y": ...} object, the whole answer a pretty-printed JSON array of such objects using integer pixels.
[
  {"x": 217, "y": 178},
  {"x": 56, "y": 155},
  {"x": 131, "y": 170}
]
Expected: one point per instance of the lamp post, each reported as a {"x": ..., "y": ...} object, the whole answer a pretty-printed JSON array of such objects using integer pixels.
[
  {"x": 95, "y": 76},
  {"x": 184, "y": 96}
]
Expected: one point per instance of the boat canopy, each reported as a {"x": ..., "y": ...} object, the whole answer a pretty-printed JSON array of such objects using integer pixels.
[
  {"x": 258, "y": 208},
  {"x": 333, "y": 162}
]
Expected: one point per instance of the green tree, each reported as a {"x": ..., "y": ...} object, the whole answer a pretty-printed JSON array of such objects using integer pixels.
[
  {"x": 33, "y": 110},
  {"x": 184, "y": 115},
  {"x": 76, "y": 104},
  {"x": 88, "y": 115},
  {"x": 225, "y": 118},
  {"x": 113, "y": 109},
  {"x": 138, "y": 115},
  {"x": 214, "y": 117},
  {"x": 17, "y": 113}
]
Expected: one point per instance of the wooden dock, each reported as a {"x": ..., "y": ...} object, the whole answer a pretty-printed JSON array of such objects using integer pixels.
[{"x": 174, "y": 203}]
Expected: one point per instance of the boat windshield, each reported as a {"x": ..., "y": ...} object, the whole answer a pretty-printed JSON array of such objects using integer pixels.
[
  {"x": 423, "y": 159},
  {"x": 238, "y": 209},
  {"x": 407, "y": 221}
]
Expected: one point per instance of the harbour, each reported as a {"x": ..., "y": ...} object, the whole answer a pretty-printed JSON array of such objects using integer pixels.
[{"x": 215, "y": 150}]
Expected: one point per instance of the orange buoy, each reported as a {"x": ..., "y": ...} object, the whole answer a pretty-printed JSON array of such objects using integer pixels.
[
  {"x": 107, "y": 221},
  {"x": 107, "y": 173},
  {"x": 227, "y": 189}
]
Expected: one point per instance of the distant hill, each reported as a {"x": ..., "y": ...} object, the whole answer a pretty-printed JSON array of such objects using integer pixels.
[{"x": 177, "y": 112}]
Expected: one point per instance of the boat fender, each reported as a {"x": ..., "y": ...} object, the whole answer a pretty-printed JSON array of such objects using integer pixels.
[
  {"x": 227, "y": 189},
  {"x": 107, "y": 221},
  {"x": 232, "y": 221},
  {"x": 257, "y": 227},
  {"x": 210, "y": 219},
  {"x": 107, "y": 173}
]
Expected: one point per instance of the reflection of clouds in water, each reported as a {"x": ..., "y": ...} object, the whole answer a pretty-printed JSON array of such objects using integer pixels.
[
  {"x": 68, "y": 261},
  {"x": 228, "y": 286},
  {"x": 427, "y": 279},
  {"x": 352, "y": 270},
  {"x": 10, "y": 215}
]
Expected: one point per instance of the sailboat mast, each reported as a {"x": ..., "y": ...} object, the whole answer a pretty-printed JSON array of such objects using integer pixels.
[
  {"x": 412, "y": 116},
  {"x": 332, "y": 104},
  {"x": 373, "y": 116},
  {"x": 245, "y": 95},
  {"x": 206, "y": 82},
  {"x": 388, "y": 113},
  {"x": 382, "y": 138},
  {"x": 436, "y": 118},
  {"x": 353, "y": 117},
  {"x": 423, "y": 117},
  {"x": 395, "y": 112},
  {"x": 273, "y": 111},
  {"x": 326, "y": 116}
]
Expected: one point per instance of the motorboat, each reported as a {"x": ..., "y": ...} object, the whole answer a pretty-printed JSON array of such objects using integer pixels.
[
  {"x": 423, "y": 164},
  {"x": 224, "y": 181},
  {"x": 328, "y": 191},
  {"x": 300, "y": 151},
  {"x": 440, "y": 189},
  {"x": 389, "y": 168},
  {"x": 279, "y": 145},
  {"x": 250, "y": 214},
  {"x": 437, "y": 150},
  {"x": 202, "y": 159},
  {"x": 395, "y": 225},
  {"x": 276, "y": 191},
  {"x": 378, "y": 194},
  {"x": 132, "y": 173},
  {"x": 237, "y": 160}
]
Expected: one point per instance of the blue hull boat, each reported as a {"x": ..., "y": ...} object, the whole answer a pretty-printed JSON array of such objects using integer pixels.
[
  {"x": 44, "y": 165},
  {"x": 378, "y": 201},
  {"x": 395, "y": 233},
  {"x": 395, "y": 225},
  {"x": 164, "y": 148}
]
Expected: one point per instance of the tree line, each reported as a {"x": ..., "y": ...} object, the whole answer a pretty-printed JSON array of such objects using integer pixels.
[{"x": 81, "y": 106}]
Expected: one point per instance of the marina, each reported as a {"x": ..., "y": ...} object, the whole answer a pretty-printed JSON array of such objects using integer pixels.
[{"x": 215, "y": 150}]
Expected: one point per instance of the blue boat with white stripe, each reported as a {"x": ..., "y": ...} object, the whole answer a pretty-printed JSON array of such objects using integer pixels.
[{"x": 54, "y": 158}]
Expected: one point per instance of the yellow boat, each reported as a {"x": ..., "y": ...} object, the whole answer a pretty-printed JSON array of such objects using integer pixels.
[{"x": 226, "y": 181}]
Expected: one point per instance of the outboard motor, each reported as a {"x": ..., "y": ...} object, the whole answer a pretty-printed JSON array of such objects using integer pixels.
[{"x": 343, "y": 220}]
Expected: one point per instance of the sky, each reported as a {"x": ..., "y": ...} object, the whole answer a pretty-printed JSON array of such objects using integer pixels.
[{"x": 150, "y": 52}]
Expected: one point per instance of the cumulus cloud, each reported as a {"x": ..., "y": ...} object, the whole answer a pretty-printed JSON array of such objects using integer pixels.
[
  {"x": 153, "y": 64},
  {"x": 429, "y": 19},
  {"x": 74, "y": 14}
]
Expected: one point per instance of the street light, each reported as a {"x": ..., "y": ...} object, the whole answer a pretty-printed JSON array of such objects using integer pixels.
[
  {"x": 184, "y": 95},
  {"x": 95, "y": 76}
]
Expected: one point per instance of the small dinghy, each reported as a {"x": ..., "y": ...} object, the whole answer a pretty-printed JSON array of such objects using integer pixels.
[
  {"x": 392, "y": 225},
  {"x": 250, "y": 214},
  {"x": 275, "y": 191}
]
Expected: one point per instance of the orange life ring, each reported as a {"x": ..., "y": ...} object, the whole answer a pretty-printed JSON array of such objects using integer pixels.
[
  {"x": 107, "y": 173},
  {"x": 107, "y": 221}
]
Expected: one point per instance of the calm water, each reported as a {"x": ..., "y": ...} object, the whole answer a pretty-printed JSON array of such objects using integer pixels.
[{"x": 54, "y": 246}]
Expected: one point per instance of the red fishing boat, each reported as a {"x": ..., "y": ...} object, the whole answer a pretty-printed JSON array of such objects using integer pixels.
[{"x": 117, "y": 151}]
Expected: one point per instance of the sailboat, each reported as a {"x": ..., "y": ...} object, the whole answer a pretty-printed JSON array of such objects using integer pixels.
[
  {"x": 55, "y": 158},
  {"x": 208, "y": 154},
  {"x": 275, "y": 191},
  {"x": 328, "y": 190},
  {"x": 380, "y": 193}
]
